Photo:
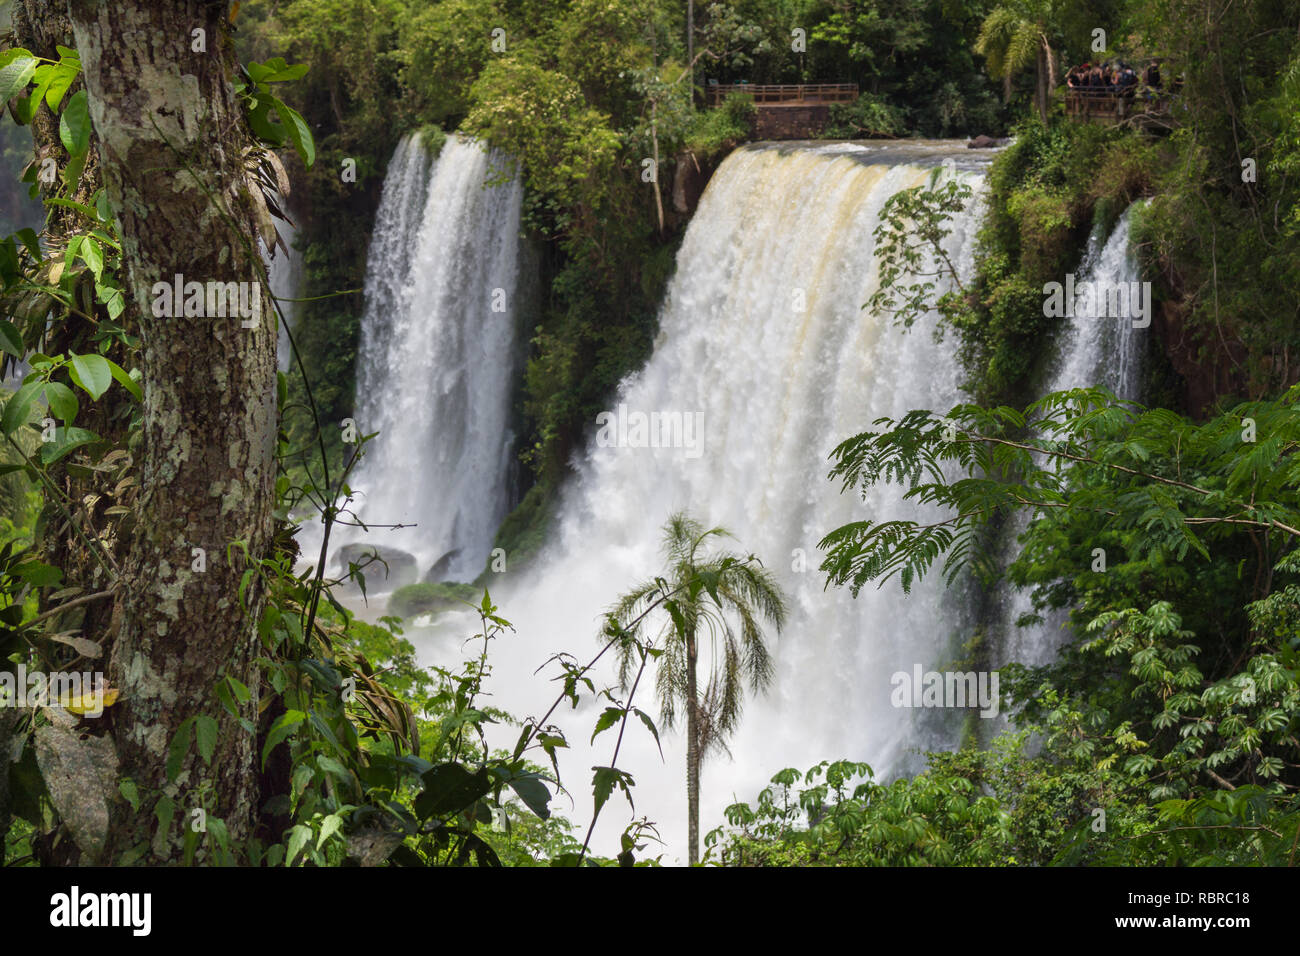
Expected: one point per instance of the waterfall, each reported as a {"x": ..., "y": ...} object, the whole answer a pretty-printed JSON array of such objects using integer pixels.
[
  {"x": 438, "y": 356},
  {"x": 1097, "y": 350},
  {"x": 284, "y": 273},
  {"x": 1094, "y": 350},
  {"x": 765, "y": 343}
]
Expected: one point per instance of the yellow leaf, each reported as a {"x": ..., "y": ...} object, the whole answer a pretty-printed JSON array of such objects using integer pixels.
[{"x": 91, "y": 703}]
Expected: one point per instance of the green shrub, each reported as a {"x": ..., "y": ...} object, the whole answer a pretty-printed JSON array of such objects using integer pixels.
[
  {"x": 867, "y": 116},
  {"x": 427, "y": 598},
  {"x": 715, "y": 130}
]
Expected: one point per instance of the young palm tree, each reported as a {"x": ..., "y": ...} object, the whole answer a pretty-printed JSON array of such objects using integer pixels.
[
  {"x": 1014, "y": 37},
  {"x": 704, "y": 595}
]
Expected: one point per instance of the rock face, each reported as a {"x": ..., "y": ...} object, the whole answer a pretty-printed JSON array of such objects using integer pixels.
[
  {"x": 440, "y": 567},
  {"x": 986, "y": 142},
  {"x": 791, "y": 122},
  {"x": 371, "y": 560}
]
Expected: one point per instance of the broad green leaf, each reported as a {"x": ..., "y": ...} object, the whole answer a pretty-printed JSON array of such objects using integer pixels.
[
  {"x": 93, "y": 255},
  {"x": 18, "y": 408},
  {"x": 62, "y": 401},
  {"x": 281, "y": 729},
  {"x": 71, "y": 174},
  {"x": 16, "y": 74},
  {"x": 126, "y": 786},
  {"x": 62, "y": 76},
  {"x": 533, "y": 792},
  {"x": 15, "y": 53},
  {"x": 92, "y": 373},
  {"x": 298, "y": 838},
  {"x": 115, "y": 302},
  {"x": 205, "y": 735},
  {"x": 450, "y": 788},
  {"x": 74, "y": 125},
  {"x": 66, "y": 440},
  {"x": 296, "y": 127},
  {"x": 103, "y": 208},
  {"x": 259, "y": 121},
  {"x": 178, "y": 748},
  {"x": 29, "y": 239},
  {"x": 38, "y": 574},
  {"x": 10, "y": 340},
  {"x": 329, "y": 826}
]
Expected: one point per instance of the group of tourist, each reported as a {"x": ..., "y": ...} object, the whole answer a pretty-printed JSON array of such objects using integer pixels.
[{"x": 1117, "y": 78}]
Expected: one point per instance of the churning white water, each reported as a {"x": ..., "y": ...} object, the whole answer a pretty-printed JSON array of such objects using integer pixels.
[
  {"x": 1098, "y": 349},
  {"x": 437, "y": 357},
  {"x": 764, "y": 337},
  {"x": 1095, "y": 349}
]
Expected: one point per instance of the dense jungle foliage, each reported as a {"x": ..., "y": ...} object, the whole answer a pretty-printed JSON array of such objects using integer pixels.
[{"x": 1166, "y": 732}]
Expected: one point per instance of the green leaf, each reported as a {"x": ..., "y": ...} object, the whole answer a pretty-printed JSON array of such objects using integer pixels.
[
  {"x": 17, "y": 73},
  {"x": 92, "y": 373},
  {"x": 126, "y": 786},
  {"x": 10, "y": 340},
  {"x": 298, "y": 838},
  {"x": 71, "y": 174},
  {"x": 15, "y": 53},
  {"x": 259, "y": 121},
  {"x": 38, "y": 574},
  {"x": 608, "y": 719},
  {"x": 113, "y": 299},
  {"x": 329, "y": 826},
  {"x": 93, "y": 255},
  {"x": 124, "y": 378},
  {"x": 602, "y": 785},
  {"x": 61, "y": 77},
  {"x": 281, "y": 729},
  {"x": 81, "y": 207},
  {"x": 296, "y": 127},
  {"x": 205, "y": 735},
  {"x": 650, "y": 725},
  {"x": 178, "y": 748},
  {"x": 165, "y": 810},
  {"x": 29, "y": 239},
  {"x": 74, "y": 125},
  {"x": 533, "y": 792},
  {"x": 450, "y": 788},
  {"x": 62, "y": 401},
  {"x": 65, "y": 441},
  {"x": 19, "y": 407}
]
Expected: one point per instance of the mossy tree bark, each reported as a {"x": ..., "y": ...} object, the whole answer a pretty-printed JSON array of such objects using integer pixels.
[{"x": 171, "y": 134}]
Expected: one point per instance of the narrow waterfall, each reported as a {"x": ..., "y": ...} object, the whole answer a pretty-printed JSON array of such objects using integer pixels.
[
  {"x": 765, "y": 344},
  {"x": 438, "y": 356},
  {"x": 1094, "y": 350},
  {"x": 284, "y": 273}
]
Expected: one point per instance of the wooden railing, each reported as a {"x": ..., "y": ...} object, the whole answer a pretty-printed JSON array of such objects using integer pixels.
[
  {"x": 787, "y": 93},
  {"x": 1099, "y": 104}
]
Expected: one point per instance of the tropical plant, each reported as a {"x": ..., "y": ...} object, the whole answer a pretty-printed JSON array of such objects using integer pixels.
[
  {"x": 707, "y": 590},
  {"x": 1016, "y": 36}
]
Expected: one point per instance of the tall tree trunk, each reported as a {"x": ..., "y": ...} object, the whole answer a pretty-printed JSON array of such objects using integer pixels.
[
  {"x": 654, "y": 136},
  {"x": 1040, "y": 77},
  {"x": 692, "y": 756},
  {"x": 690, "y": 44},
  {"x": 171, "y": 134}
]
